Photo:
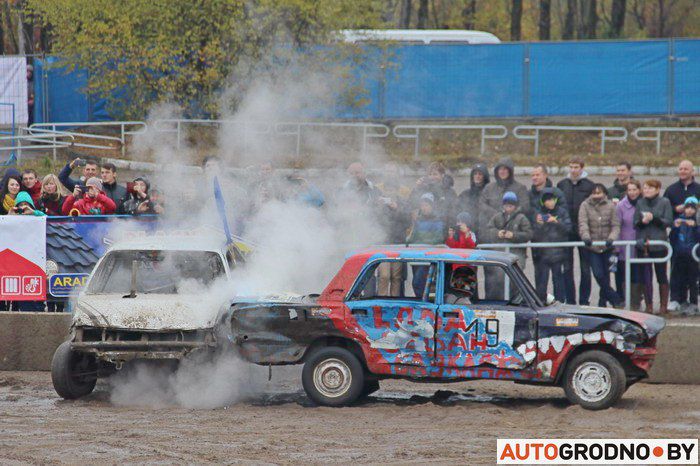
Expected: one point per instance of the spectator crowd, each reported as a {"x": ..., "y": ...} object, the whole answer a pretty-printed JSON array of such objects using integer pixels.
[{"x": 495, "y": 208}]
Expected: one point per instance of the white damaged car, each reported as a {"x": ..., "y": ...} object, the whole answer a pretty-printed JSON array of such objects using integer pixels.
[{"x": 151, "y": 298}]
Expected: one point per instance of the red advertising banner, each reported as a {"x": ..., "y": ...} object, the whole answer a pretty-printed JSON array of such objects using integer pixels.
[{"x": 22, "y": 258}]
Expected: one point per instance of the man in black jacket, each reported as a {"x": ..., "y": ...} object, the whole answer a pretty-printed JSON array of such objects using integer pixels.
[
  {"x": 576, "y": 188},
  {"x": 682, "y": 189},
  {"x": 623, "y": 175},
  {"x": 110, "y": 187}
]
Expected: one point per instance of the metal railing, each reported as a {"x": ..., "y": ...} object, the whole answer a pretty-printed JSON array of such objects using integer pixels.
[
  {"x": 279, "y": 128},
  {"x": 12, "y": 125},
  {"x": 627, "y": 244},
  {"x": 42, "y": 139},
  {"x": 141, "y": 128},
  {"x": 523, "y": 132},
  {"x": 497, "y": 132},
  {"x": 657, "y": 130},
  {"x": 369, "y": 131},
  {"x": 177, "y": 126}
]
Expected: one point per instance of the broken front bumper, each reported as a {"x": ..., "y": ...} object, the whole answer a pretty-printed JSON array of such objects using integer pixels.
[{"x": 121, "y": 345}]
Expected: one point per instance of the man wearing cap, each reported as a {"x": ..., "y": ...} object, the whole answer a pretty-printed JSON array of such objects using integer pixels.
[
  {"x": 510, "y": 225},
  {"x": 92, "y": 202}
]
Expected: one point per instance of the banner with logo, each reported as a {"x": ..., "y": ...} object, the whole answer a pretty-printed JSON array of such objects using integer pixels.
[{"x": 22, "y": 258}]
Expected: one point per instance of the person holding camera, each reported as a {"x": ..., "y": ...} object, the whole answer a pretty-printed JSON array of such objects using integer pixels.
[
  {"x": 88, "y": 200},
  {"x": 90, "y": 170},
  {"x": 597, "y": 221},
  {"x": 552, "y": 224},
  {"x": 24, "y": 205},
  {"x": 510, "y": 225},
  {"x": 139, "y": 200}
]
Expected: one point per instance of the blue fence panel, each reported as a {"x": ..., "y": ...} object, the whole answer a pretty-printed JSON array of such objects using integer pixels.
[
  {"x": 624, "y": 78},
  {"x": 599, "y": 78},
  {"x": 455, "y": 81},
  {"x": 686, "y": 73},
  {"x": 64, "y": 94}
]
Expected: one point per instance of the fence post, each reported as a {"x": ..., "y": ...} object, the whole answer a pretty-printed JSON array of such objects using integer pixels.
[
  {"x": 628, "y": 278},
  {"x": 178, "y": 135},
  {"x": 416, "y": 146}
]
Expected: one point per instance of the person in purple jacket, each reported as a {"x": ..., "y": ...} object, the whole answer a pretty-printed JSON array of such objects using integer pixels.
[{"x": 625, "y": 212}]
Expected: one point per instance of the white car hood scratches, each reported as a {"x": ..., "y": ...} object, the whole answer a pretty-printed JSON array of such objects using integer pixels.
[{"x": 145, "y": 312}]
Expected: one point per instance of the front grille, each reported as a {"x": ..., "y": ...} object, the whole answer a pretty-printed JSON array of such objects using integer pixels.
[{"x": 88, "y": 334}]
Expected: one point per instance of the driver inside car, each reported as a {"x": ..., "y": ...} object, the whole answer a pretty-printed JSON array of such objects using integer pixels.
[{"x": 461, "y": 288}]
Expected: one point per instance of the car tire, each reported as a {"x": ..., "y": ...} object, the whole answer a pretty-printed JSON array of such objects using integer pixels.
[
  {"x": 64, "y": 365},
  {"x": 595, "y": 380},
  {"x": 333, "y": 376},
  {"x": 370, "y": 387}
]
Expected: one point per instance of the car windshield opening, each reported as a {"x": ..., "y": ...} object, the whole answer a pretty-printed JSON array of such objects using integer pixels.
[{"x": 156, "y": 272}]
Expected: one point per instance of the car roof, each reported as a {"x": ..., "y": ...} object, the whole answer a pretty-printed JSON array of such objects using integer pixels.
[
  {"x": 209, "y": 242},
  {"x": 434, "y": 253}
]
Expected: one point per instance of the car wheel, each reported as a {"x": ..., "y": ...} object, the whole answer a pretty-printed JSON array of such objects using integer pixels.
[
  {"x": 333, "y": 376},
  {"x": 370, "y": 387},
  {"x": 595, "y": 380},
  {"x": 73, "y": 374}
]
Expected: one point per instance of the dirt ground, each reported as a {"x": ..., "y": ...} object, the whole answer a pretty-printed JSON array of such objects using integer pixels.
[{"x": 402, "y": 423}]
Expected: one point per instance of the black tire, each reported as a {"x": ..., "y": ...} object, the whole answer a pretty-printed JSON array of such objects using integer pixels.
[
  {"x": 333, "y": 376},
  {"x": 64, "y": 365},
  {"x": 595, "y": 380},
  {"x": 370, "y": 387}
]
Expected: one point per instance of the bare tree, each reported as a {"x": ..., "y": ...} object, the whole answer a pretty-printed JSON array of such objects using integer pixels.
[
  {"x": 469, "y": 14},
  {"x": 545, "y": 19},
  {"x": 567, "y": 32},
  {"x": 406, "y": 11},
  {"x": 10, "y": 30},
  {"x": 422, "y": 14},
  {"x": 617, "y": 17},
  {"x": 516, "y": 17},
  {"x": 589, "y": 19}
]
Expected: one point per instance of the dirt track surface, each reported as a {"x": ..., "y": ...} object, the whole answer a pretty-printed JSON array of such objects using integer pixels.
[{"x": 401, "y": 423}]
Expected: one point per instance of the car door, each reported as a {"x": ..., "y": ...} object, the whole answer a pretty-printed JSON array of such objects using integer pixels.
[
  {"x": 401, "y": 327},
  {"x": 486, "y": 332}
]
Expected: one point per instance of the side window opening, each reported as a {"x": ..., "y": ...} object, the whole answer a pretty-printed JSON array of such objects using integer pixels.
[
  {"x": 483, "y": 284},
  {"x": 399, "y": 280}
]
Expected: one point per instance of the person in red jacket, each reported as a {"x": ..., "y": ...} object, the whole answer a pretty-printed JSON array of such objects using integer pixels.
[
  {"x": 93, "y": 202},
  {"x": 461, "y": 237}
]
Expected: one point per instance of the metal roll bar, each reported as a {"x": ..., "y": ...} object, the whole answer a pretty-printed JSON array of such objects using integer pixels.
[
  {"x": 487, "y": 132},
  {"x": 523, "y": 132},
  {"x": 628, "y": 245}
]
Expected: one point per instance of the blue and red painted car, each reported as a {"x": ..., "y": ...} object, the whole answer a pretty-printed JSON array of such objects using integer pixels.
[{"x": 410, "y": 313}]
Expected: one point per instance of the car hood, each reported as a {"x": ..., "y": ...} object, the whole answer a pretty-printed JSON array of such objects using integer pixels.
[
  {"x": 146, "y": 312},
  {"x": 651, "y": 324}
]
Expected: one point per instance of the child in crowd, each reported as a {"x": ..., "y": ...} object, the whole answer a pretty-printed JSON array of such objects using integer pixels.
[
  {"x": 685, "y": 235},
  {"x": 461, "y": 237}
]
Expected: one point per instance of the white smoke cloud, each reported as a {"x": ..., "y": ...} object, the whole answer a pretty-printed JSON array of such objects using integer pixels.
[{"x": 298, "y": 247}]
